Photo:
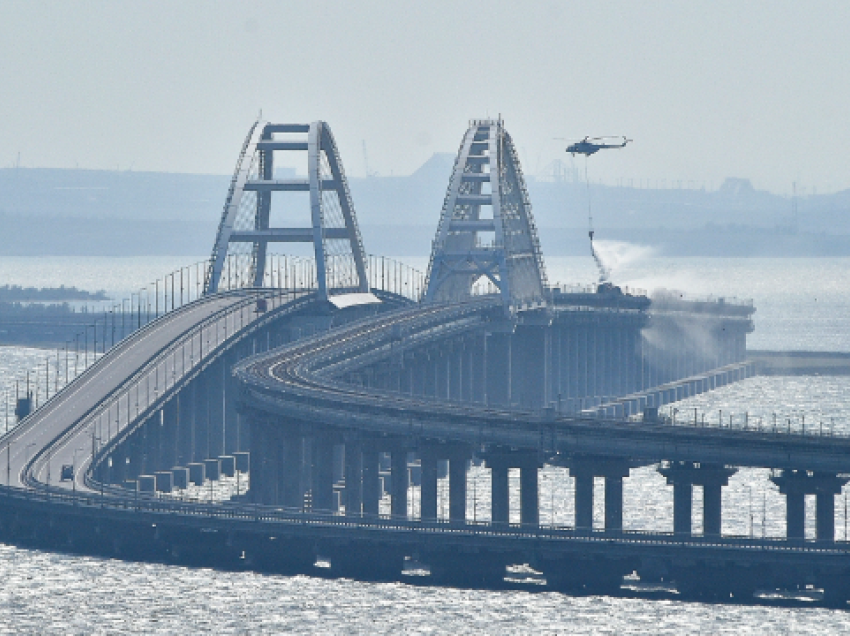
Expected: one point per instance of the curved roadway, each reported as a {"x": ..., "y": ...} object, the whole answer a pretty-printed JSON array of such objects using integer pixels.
[
  {"x": 130, "y": 379},
  {"x": 305, "y": 378}
]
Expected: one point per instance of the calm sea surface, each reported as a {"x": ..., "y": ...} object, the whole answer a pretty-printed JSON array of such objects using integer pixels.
[{"x": 801, "y": 304}]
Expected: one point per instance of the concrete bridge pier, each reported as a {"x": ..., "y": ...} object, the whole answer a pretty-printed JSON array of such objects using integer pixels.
[
  {"x": 232, "y": 432},
  {"x": 322, "y": 447},
  {"x": 200, "y": 418},
  {"x": 370, "y": 479},
  {"x": 498, "y": 360},
  {"x": 428, "y": 459},
  {"x": 500, "y": 462},
  {"x": 170, "y": 431},
  {"x": 263, "y": 482},
  {"x": 683, "y": 476},
  {"x": 153, "y": 443},
  {"x": 289, "y": 469},
  {"x": 499, "y": 491},
  {"x": 458, "y": 464},
  {"x": 215, "y": 381},
  {"x": 583, "y": 470},
  {"x": 458, "y": 456},
  {"x": 353, "y": 476},
  {"x": 530, "y": 365},
  {"x": 442, "y": 376},
  {"x": 795, "y": 485},
  {"x": 185, "y": 434},
  {"x": 400, "y": 482}
]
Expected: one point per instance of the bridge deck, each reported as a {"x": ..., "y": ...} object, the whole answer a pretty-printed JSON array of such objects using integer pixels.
[
  {"x": 303, "y": 379},
  {"x": 141, "y": 370}
]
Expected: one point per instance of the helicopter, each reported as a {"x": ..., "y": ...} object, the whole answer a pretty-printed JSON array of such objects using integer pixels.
[{"x": 590, "y": 145}]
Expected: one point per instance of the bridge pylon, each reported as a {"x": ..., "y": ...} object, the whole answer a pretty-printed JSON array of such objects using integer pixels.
[
  {"x": 486, "y": 230},
  {"x": 245, "y": 230}
]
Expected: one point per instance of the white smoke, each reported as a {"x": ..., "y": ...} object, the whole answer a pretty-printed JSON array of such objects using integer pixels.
[{"x": 613, "y": 256}]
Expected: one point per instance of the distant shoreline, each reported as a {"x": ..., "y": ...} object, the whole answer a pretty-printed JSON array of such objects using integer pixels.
[
  {"x": 800, "y": 362},
  {"x": 16, "y": 294}
]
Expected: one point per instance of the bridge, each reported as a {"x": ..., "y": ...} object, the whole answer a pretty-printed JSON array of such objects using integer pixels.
[{"x": 315, "y": 402}]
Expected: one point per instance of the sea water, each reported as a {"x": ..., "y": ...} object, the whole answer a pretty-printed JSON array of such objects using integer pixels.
[{"x": 802, "y": 304}]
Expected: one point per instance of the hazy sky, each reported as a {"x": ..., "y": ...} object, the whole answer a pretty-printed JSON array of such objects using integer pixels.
[{"x": 706, "y": 89}]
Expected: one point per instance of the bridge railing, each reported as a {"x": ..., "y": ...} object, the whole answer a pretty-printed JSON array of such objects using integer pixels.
[
  {"x": 141, "y": 394},
  {"x": 791, "y": 424},
  {"x": 227, "y": 512},
  {"x": 394, "y": 276},
  {"x": 110, "y": 325},
  {"x": 285, "y": 271}
]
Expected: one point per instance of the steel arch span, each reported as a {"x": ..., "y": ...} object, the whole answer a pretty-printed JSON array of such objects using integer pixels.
[
  {"x": 245, "y": 231},
  {"x": 486, "y": 229}
]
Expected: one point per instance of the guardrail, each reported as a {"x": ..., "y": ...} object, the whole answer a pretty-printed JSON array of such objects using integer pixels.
[
  {"x": 213, "y": 332},
  {"x": 788, "y": 426},
  {"x": 281, "y": 517},
  {"x": 201, "y": 343}
]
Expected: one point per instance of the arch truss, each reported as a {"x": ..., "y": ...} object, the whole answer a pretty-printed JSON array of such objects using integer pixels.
[
  {"x": 486, "y": 231},
  {"x": 240, "y": 254}
]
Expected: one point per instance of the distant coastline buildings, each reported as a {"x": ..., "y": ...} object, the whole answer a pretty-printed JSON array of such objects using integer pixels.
[{"x": 115, "y": 213}]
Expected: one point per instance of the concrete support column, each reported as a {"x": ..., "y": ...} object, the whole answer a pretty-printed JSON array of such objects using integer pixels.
[
  {"x": 185, "y": 434},
  {"x": 267, "y": 463},
  {"x": 428, "y": 498},
  {"x": 200, "y": 419},
  {"x": 795, "y": 515},
  {"x": 584, "y": 499},
  {"x": 454, "y": 360},
  {"x": 170, "y": 431},
  {"x": 795, "y": 485},
  {"x": 498, "y": 370},
  {"x": 231, "y": 417},
  {"x": 584, "y": 469},
  {"x": 499, "y": 493},
  {"x": 614, "y": 503},
  {"x": 215, "y": 397},
  {"x": 371, "y": 482},
  {"x": 457, "y": 489},
  {"x": 529, "y": 495},
  {"x": 712, "y": 507},
  {"x": 441, "y": 374},
  {"x": 429, "y": 370},
  {"x": 825, "y": 517},
  {"x": 259, "y": 463},
  {"x": 399, "y": 482},
  {"x": 289, "y": 472},
  {"x": 683, "y": 497},
  {"x": 528, "y": 366},
  {"x": 353, "y": 477},
  {"x": 322, "y": 473},
  {"x": 478, "y": 371},
  {"x": 712, "y": 477},
  {"x": 153, "y": 431}
]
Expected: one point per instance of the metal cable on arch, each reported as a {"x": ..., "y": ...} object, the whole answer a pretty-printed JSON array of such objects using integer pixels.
[{"x": 239, "y": 255}]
